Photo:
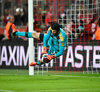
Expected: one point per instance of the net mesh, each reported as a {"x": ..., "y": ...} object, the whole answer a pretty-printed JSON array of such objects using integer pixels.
[{"x": 79, "y": 19}]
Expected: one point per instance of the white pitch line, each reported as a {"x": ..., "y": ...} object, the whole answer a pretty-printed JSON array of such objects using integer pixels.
[
  {"x": 76, "y": 76},
  {"x": 7, "y": 91},
  {"x": 63, "y": 90}
]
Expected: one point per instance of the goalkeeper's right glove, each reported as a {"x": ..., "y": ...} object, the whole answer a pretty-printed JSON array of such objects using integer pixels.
[
  {"x": 50, "y": 57},
  {"x": 44, "y": 51}
]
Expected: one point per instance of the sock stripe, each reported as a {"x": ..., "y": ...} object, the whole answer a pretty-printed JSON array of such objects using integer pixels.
[{"x": 26, "y": 34}]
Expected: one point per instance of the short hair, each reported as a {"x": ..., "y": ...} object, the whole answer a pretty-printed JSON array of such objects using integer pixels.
[
  {"x": 55, "y": 26},
  {"x": 11, "y": 16}
]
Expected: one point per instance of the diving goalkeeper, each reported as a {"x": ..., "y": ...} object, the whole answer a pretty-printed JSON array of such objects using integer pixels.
[{"x": 55, "y": 39}]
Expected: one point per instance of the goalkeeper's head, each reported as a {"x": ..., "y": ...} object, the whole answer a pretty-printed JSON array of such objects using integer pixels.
[
  {"x": 55, "y": 27},
  {"x": 11, "y": 18}
]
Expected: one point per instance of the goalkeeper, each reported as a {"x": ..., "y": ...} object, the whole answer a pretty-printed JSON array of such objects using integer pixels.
[{"x": 55, "y": 39}]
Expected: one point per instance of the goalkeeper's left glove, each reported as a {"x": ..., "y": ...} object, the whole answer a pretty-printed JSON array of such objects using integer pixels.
[{"x": 50, "y": 57}]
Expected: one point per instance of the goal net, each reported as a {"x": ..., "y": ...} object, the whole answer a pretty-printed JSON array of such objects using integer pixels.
[{"x": 79, "y": 20}]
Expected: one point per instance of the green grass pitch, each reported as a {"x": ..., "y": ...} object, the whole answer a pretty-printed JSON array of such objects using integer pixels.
[{"x": 15, "y": 81}]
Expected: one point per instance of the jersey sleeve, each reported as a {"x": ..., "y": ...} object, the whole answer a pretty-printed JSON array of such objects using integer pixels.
[
  {"x": 46, "y": 37},
  {"x": 62, "y": 44}
]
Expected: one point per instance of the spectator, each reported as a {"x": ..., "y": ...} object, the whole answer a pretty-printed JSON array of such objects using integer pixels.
[
  {"x": 39, "y": 16},
  {"x": 6, "y": 16},
  {"x": 10, "y": 27},
  {"x": 48, "y": 17},
  {"x": 62, "y": 16},
  {"x": 17, "y": 17},
  {"x": 90, "y": 29},
  {"x": 97, "y": 33},
  {"x": 20, "y": 17},
  {"x": 24, "y": 17},
  {"x": 37, "y": 27},
  {"x": 87, "y": 23}
]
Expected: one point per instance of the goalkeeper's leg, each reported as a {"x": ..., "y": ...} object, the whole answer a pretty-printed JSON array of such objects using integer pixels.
[
  {"x": 36, "y": 63},
  {"x": 43, "y": 60},
  {"x": 35, "y": 35}
]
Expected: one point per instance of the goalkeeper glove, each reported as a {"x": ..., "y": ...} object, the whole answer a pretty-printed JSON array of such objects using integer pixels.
[{"x": 50, "y": 57}]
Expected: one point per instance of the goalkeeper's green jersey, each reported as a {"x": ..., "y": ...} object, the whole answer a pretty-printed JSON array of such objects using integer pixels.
[{"x": 56, "y": 43}]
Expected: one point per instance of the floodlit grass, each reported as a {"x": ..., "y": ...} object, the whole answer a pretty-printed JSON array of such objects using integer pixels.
[{"x": 20, "y": 81}]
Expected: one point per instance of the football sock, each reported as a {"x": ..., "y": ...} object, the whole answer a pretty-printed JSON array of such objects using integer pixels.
[
  {"x": 39, "y": 63},
  {"x": 25, "y": 34}
]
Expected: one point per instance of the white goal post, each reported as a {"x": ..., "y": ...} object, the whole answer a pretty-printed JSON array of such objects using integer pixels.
[{"x": 30, "y": 28}]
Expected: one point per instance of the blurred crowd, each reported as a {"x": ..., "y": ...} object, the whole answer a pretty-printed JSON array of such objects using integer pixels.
[
  {"x": 74, "y": 16},
  {"x": 82, "y": 19},
  {"x": 20, "y": 14}
]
